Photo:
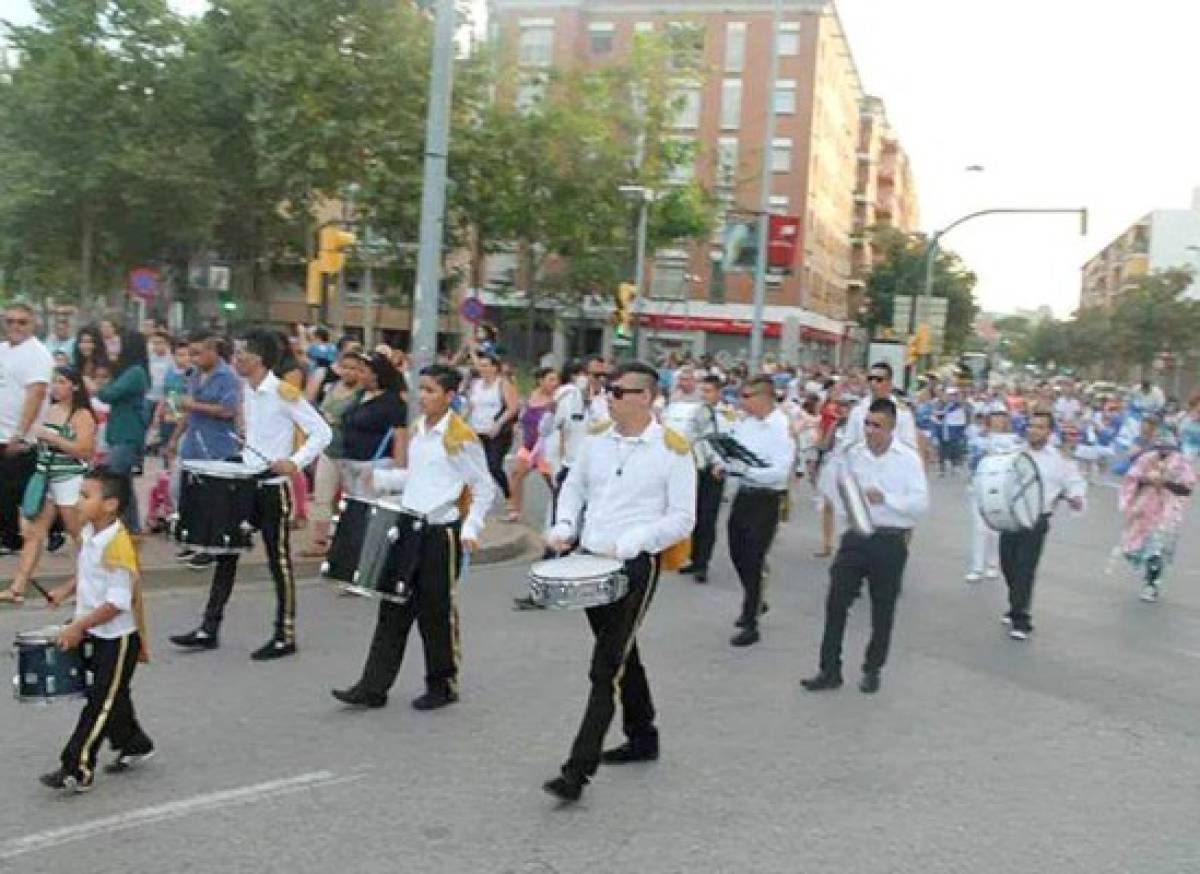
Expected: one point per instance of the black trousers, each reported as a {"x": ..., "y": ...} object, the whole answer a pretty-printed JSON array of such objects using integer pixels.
[
  {"x": 1020, "y": 552},
  {"x": 434, "y": 606},
  {"x": 709, "y": 489},
  {"x": 272, "y": 515},
  {"x": 15, "y": 472},
  {"x": 752, "y": 523},
  {"x": 108, "y": 712},
  {"x": 616, "y": 670},
  {"x": 879, "y": 559},
  {"x": 494, "y": 450}
]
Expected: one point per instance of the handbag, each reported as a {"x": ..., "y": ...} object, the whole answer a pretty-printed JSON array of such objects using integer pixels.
[{"x": 35, "y": 495}]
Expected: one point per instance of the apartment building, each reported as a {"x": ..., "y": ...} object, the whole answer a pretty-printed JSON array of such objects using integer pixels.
[
  {"x": 1160, "y": 240},
  {"x": 814, "y": 152}
]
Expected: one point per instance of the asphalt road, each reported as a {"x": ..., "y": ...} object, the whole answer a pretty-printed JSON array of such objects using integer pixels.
[{"x": 1075, "y": 752}]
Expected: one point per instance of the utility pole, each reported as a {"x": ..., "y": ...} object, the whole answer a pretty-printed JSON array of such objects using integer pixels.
[
  {"x": 764, "y": 205},
  {"x": 433, "y": 196}
]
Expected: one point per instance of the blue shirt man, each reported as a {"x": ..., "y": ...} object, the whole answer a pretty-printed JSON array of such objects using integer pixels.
[{"x": 214, "y": 394}]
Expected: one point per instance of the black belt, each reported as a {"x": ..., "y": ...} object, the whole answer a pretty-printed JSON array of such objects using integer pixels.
[
  {"x": 761, "y": 490},
  {"x": 892, "y": 532}
]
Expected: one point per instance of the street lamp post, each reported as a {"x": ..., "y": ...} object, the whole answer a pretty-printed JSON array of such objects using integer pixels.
[
  {"x": 643, "y": 197},
  {"x": 764, "y": 206}
]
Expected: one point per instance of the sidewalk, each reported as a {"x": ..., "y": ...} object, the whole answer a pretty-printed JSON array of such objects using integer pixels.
[{"x": 501, "y": 541}]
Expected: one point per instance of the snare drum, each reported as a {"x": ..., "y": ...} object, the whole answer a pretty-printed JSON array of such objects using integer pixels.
[
  {"x": 216, "y": 506},
  {"x": 347, "y": 531},
  {"x": 1008, "y": 491},
  {"x": 375, "y": 549},
  {"x": 44, "y": 672},
  {"x": 577, "y": 581}
]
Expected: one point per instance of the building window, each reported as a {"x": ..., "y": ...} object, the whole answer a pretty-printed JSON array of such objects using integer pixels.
[
  {"x": 779, "y": 204},
  {"x": 731, "y": 104},
  {"x": 785, "y": 97},
  {"x": 686, "y": 102},
  {"x": 600, "y": 37},
  {"x": 537, "y": 42},
  {"x": 531, "y": 91},
  {"x": 682, "y": 153},
  {"x": 686, "y": 39},
  {"x": 781, "y": 155},
  {"x": 789, "y": 39},
  {"x": 735, "y": 46},
  {"x": 727, "y": 162},
  {"x": 643, "y": 27}
]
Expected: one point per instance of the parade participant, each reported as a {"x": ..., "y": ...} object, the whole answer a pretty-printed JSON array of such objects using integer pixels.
[
  {"x": 985, "y": 541},
  {"x": 270, "y": 412},
  {"x": 951, "y": 418},
  {"x": 66, "y": 441},
  {"x": 26, "y": 369},
  {"x": 594, "y": 396},
  {"x": 710, "y": 477},
  {"x": 685, "y": 389},
  {"x": 1189, "y": 431},
  {"x": 880, "y": 380},
  {"x": 831, "y": 447},
  {"x": 638, "y": 481},
  {"x": 445, "y": 464},
  {"x": 1021, "y": 550},
  {"x": 761, "y": 499},
  {"x": 893, "y": 481},
  {"x": 1153, "y": 498},
  {"x": 108, "y": 614}
]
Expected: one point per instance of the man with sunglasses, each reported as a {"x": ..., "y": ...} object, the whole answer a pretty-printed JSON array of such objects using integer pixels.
[
  {"x": 761, "y": 496},
  {"x": 26, "y": 368},
  {"x": 638, "y": 482},
  {"x": 880, "y": 381},
  {"x": 893, "y": 482}
]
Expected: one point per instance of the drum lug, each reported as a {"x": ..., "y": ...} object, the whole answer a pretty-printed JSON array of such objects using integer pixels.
[
  {"x": 324, "y": 568},
  {"x": 342, "y": 504}
]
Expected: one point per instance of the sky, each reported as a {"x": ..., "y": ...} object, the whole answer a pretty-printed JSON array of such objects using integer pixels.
[{"x": 1064, "y": 103}]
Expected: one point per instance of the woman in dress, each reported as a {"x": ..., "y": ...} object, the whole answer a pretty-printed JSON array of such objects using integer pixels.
[
  {"x": 492, "y": 408},
  {"x": 66, "y": 440},
  {"x": 1153, "y": 499},
  {"x": 534, "y": 413}
]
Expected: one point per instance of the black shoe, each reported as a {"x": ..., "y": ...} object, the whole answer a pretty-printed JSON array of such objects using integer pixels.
[
  {"x": 66, "y": 781},
  {"x": 198, "y": 639},
  {"x": 435, "y": 699},
  {"x": 643, "y": 751},
  {"x": 201, "y": 561},
  {"x": 869, "y": 684},
  {"x": 127, "y": 759},
  {"x": 357, "y": 697},
  {"x": 55, "y": 541},
  {"x": 822, "y": 681},
  {"x": 273, "y": 649},
  {"x": 690, "y": 569},
  {"x": 526, "y": 603},
  {"x": 701, "y": 576},
  {"x": 184, "y": 554},
  {"x": 747, "y": 636},
  {"x": 565, "y": 788}
]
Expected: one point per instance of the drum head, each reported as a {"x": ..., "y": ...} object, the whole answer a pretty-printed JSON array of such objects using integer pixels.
[
  {"x": 1026, "y": 490},
  {"x": 39, "y": 636},
  {"x": 575, "y": 567},
  {"x": 220, "y": 469}
]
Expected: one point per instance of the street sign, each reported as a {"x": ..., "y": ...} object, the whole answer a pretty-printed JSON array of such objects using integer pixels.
[
  {"x": 471, "y": 309},
  {"x": 143, "y": 283}
]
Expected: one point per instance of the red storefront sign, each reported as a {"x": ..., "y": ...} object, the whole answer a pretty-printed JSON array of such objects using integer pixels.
[
  {"x": 728, "y": 326},
  {"x": 783, "y": 236}
]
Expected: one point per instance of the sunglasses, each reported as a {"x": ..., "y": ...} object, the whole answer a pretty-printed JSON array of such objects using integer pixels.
[
  {"x": 877, "y": 377},
  {"x": 12, "y": 321},
  {"x": 619, "y": 391}
]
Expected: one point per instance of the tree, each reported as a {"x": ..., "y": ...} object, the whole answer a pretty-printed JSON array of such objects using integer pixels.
[
  {"x": 1153, "y": 316},
  {"x": 900, "y": 270}
]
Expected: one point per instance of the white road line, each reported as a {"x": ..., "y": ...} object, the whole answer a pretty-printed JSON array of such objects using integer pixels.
[{"x": 50, "y": 838}]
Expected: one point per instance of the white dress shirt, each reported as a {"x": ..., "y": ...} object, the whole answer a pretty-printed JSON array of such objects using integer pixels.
[
  {"x": 270, "y": 420},
  {"x": 770, "y": 438},
  {"x": 568, "y": 427},
  {"x": 898, "y": 473},
  {"x": 906, "y": 424},
  {"x": 640, "y": 494},
  {"x": 438, "y": 470},
  {"x": 1060, "y": 477},
  {"x": 98, "y": 585}
]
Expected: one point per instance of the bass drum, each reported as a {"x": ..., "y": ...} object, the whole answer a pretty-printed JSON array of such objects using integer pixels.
[{"x": 1008, "y": 491}]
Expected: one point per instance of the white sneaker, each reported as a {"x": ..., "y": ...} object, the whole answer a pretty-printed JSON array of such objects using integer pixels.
[
  {"x": 1018, "y": 634},
  {"x": 1149, "y": 593},
  {"x": 973, "y": 577},
  {"x": 992, "y": 573}
]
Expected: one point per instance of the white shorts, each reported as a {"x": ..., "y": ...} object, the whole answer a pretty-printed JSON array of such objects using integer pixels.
[{"x": 65, "y": 492}]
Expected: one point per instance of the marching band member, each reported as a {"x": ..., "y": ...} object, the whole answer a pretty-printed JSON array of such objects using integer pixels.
[
  {"x": 985, "y": 541},
  {"x": 638, "y": 481},
  {"x": 710, "y": 477},
  {"x": 271, "y": 410},
  {"x": 761, "y": 499},
  {"x": 880, "y": 380},
  {"x": 893, "y": 479},
  {"x": 1020, "y": 551},
  {"x": 446, "y": 468},
  {"x": 108, "y": 613}
]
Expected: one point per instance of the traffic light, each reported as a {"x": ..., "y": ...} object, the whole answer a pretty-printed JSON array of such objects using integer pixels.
[
  {"x": 924, "y": 345},
  {"x": 332, "y": 243},
  {"x": 913, "y": 351},
  {"x": 228, "y": 303},
  {"x": 623, "y": 309}
]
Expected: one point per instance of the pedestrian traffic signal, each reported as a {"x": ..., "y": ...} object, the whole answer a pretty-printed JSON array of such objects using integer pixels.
[
  {"x": 924, "y": 344},
  {"x": 228, "y": 303},
  {"x": 623, "y": 309},
  {"x": 332, "y": 243}
]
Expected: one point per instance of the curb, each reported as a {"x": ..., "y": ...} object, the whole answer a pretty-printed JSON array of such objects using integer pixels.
[{"x": 519, "y": 540}]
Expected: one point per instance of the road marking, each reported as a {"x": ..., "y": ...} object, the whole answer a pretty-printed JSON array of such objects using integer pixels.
[{"x": 56, "y": 837}]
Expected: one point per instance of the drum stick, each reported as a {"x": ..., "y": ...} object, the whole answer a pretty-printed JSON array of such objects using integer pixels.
[
  {"x": 43, "y": 592},
  {"x": 245, "y": 445}
]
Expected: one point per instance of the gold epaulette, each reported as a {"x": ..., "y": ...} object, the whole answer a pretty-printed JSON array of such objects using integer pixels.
[
  {"x": 599, "y": 426},
  {"x": 458, "y": 434},
  {"x": 676, "y": 442},
  {"x": 728, "y": 415},
  {"x": 288, "y": 392},
  {"x": 122, "y": 554}
]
